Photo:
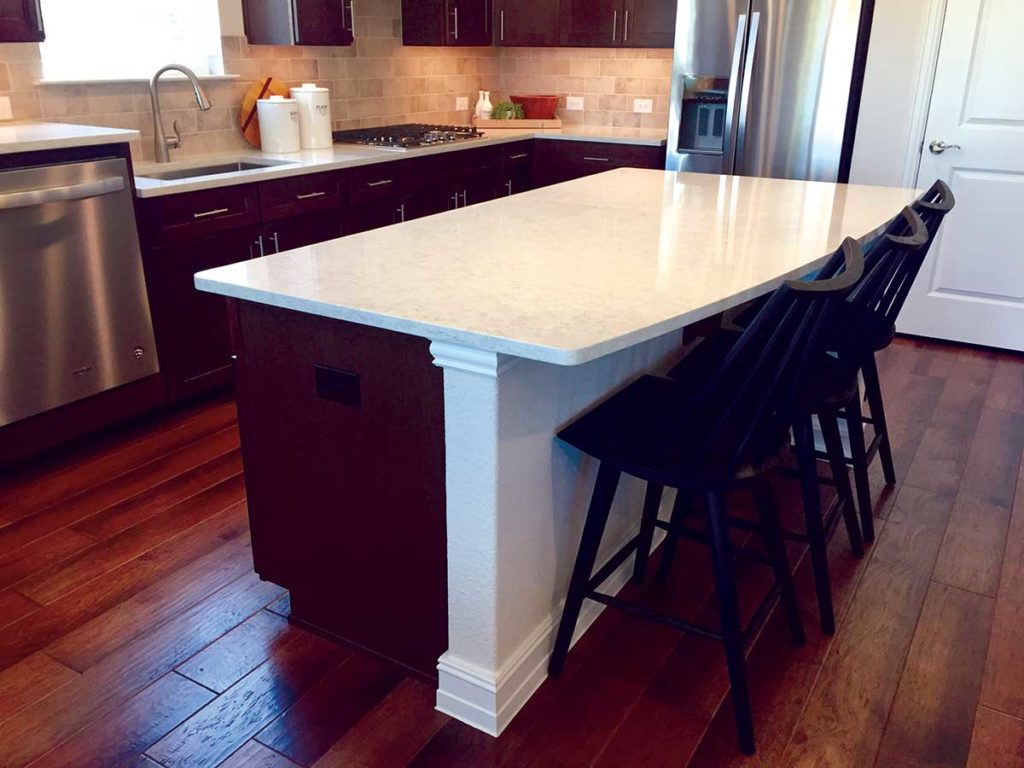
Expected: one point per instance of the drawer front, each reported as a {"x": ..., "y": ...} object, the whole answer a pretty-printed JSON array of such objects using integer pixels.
[
  {"x": 431, "y": 171},
  {"x": 379, "y": 181},
  {"x": 595, "y": 155},
  {"x": 299, "y": 195},
  {"x": 517, "y": 157},
  {"x": 195, "y": 214}
]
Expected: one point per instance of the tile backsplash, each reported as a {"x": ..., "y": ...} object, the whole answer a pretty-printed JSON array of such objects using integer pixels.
[{"x": 376, "y": 81}]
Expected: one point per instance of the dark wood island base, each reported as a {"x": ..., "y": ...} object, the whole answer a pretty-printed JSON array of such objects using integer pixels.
[{"x": 342, "y": 431}]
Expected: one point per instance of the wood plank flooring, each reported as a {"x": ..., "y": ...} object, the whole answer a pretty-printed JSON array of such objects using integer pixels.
[{"x": 134, "y": 633}]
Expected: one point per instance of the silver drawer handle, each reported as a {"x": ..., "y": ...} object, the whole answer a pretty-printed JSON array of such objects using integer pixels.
[
  {"x": 32, "y": 197},
  {"x": 310, "y": 195},
  {"x": 208, "y": 214},
  {"x": 518, "y": 157},
  {"x": 381, "y": 183},
  {"x": 598, "y": 159}
]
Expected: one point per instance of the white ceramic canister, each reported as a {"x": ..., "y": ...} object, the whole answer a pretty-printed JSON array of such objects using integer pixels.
[
  {"x": 279, "y": 124},
  {"x": 315, "y": 126}
]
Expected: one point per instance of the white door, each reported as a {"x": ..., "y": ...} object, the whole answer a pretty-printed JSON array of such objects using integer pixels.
[{"x": 971, "y": 288}]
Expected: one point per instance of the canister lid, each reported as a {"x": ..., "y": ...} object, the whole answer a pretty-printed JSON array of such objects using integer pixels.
[{"x": 309, "y": 88}]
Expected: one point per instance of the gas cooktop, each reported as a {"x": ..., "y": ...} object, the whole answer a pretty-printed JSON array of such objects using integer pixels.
[{"x": 407, "y": 136}]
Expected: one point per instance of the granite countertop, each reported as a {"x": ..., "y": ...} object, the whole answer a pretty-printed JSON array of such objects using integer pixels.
[
  {"x": 33, "y": 136},
  {"x": 350, "y": 156},
  {"x": 572, "y": 272}
]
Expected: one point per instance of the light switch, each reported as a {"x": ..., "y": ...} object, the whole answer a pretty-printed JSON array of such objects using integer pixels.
[
  {"x": 574, "y": 103},
  {"x": 461, "y": 103},
  {"x": 643, "y": 106}
]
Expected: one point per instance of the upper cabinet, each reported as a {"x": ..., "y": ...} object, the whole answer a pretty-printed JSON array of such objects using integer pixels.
[
  {"x": 446, "y": 22},
  {"x": 298, "y": 22},
  {"x": 526, "y": 22},
  {"x": 618, "y": 23},
  {"x": 21, "y": 21}
]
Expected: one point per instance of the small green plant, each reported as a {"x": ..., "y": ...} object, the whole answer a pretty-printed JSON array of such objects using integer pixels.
[{"x": 506, "y": 110}]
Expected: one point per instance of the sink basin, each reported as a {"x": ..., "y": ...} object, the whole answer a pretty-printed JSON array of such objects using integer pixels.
[{"x": 213, "y": 170}]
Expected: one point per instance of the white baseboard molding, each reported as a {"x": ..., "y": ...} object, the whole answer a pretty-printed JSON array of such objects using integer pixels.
[{"x": 488, "y": 702}]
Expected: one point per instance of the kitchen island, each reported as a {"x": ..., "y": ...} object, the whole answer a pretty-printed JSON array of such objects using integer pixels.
[{"x": 399, "y": 391}]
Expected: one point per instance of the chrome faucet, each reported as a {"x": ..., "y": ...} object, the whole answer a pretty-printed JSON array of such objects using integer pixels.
[{"x": 162, "y": 143}]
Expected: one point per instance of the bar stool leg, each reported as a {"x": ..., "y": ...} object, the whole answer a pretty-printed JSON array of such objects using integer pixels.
[
  {"x": 732, "y": 634},
  {"x": 807, "y": 460},
  {"x": 769, "y": 515},
  {"x": 652, "y": 502},
  {"x": 579, "y": 583},
  {"x": 680, "y": 511},
  {"x": 829, "y": 421},
  {"x": 873, "y": 390},
  {"x": 858, "y": 452}
]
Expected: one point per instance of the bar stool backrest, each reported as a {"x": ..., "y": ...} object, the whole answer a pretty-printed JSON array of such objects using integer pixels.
[{"x": 749, "y": 402}]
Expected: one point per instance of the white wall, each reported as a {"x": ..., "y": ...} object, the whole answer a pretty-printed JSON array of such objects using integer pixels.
[
  {"x": 231, "y": 17},
  {"x": 893, "y": 109}
]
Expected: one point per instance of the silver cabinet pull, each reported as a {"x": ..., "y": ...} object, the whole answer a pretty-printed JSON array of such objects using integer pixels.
[
  {"x": 277, "y": 243},
  {"x": 501, "y": 17},
  {"x": 259, "y": 246},
  {"x": 938, "y": 146},
  {"x": 465, "y": 199},
  {"x": 508, "y": 186},
  {"x": 615, "y": 26},
  {"x": 456, "y": 22},
  {"x": 522, "y": 156},
  {"x": 454, "y": 200},
  {"x": 400, "y": 212},
  {"x": 381, "y": 183},
  {"x": 598, "y": 159},
  {"x": 310, "y": 195},
  {"x": 31, "y": 197},
  {"x": 208, "y": 214},
  {"x": 351, "y": 5},
  {"x": 625, "y": 28}
]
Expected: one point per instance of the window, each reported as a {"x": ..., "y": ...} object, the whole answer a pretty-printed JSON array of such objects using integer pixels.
[{"x": 128, "y": 39}]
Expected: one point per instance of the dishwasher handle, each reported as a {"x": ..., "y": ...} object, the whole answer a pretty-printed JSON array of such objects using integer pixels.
[{"x": 32, "y": 197}]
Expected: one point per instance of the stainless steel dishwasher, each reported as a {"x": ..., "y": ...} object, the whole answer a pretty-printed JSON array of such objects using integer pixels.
[{"x": 74, "y": 316}]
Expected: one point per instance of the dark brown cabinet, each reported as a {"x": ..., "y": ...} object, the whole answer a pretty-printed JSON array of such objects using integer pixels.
[
  {"x": 628, "y": 23},
  {"x": 298, "y": 22},
  {"x": 446, "y": 22},
  {"x": 526, "y": 22},
  {"x": 191, "y": 326},
  {"x": 21, "y": 21},
  {"x": 300, "y": 231}
]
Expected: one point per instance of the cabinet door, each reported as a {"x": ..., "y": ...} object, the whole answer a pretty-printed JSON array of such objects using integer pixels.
[
  {"x": 191, "y": 326},
  {"x": 21, "y": 21},
  {"x": 323, "y": 22},
  {"x": 374, "y": 215},
  {"x": 526, "y": 22},
  {"x": 424, "y": 22},
  {"x": 595, "y": 23},
  {"x": 298, "y": 232},
  {"x": 469, "y": 22},
  {"x": 650, "y": 23}
]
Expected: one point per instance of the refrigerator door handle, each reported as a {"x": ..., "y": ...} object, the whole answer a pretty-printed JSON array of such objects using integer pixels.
[
  {"x": 748, "y": 76},
  {"x": 731, "y": 98}
]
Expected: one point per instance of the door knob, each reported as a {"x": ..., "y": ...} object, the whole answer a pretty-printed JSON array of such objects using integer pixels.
[{"x": 938, "y": 146}]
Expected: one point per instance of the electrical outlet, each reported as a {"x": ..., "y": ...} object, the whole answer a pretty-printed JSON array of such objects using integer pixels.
[
  {"x": 574, "y": 103},
  {"x": 5, "y": 108},
  {"x": 461, "y": 103},
  {"x": 643, "y": 106}
]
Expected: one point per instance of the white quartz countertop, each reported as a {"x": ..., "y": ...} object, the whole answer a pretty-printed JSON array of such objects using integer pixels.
[
  {"x": 32, "y": 136},
  {"x": 575, "y": 271},
  {"x": 350, "y": 156}
]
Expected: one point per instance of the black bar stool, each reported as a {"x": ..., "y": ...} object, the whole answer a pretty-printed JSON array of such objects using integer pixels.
[
  {"x": 834, "y": 394},
  {"x": 727, "y": 434}
]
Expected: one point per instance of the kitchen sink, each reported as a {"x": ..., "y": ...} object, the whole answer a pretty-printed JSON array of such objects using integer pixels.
[{"x": 213, "y": 170}]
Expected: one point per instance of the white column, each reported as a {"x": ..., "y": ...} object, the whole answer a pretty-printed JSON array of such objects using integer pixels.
[{"x": 516, "y": 499}]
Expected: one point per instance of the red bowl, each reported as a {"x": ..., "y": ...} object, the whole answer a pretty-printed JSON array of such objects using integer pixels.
[{"x": 537, "y": 107}]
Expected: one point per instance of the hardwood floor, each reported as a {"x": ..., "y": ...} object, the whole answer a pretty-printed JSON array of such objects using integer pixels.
[{"x": 133, "y": 631}]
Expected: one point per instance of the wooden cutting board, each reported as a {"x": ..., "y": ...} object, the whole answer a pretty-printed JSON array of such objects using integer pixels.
[{"x": 247, "y": 116}]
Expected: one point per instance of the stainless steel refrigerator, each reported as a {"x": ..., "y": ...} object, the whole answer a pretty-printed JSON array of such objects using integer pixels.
[{"x": 767, "y": 87}]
